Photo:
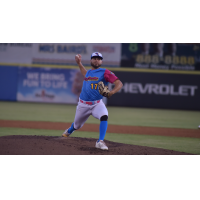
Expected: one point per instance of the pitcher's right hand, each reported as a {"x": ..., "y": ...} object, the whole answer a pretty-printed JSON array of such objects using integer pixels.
[{"x": 78, "y": 58}]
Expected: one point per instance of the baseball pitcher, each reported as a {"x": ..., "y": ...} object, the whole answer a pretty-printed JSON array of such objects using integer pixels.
[{"x": 90, "y": 101}]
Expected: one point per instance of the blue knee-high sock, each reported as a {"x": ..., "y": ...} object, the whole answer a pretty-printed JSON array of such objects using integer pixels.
[
  {"x": 102, "y": 129},
  {"x": 71, "y": 129}
]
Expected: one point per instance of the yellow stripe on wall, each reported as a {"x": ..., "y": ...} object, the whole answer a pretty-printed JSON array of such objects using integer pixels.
[{"x": 123, "y": 69}]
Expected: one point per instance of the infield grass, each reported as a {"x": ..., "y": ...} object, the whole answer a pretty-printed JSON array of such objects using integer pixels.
[
  {"x": 182, "y": 144},
  {"x": 117, "y": 115}
]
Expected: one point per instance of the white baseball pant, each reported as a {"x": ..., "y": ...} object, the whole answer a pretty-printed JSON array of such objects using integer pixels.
[{"x": 83, "y": 111}]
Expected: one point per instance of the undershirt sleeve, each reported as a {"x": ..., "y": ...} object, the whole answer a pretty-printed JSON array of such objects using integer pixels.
[{"x": 110, "y": 76}]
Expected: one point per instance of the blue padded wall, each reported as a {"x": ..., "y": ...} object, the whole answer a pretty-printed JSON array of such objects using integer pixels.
[{"x": 8, "y": 83}]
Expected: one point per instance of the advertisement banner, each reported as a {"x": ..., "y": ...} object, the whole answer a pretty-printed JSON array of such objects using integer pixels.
[
  {"x": 16, "y": 53},
  {"x": 49, "y": 85},
  {"x": 157, "y": 90},
  {"x": 64, "y": 54},
  {"x": 168, "y": 56}
]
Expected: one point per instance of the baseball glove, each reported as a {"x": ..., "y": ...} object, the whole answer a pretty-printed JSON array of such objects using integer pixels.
[{"x": 103, "y": 90}]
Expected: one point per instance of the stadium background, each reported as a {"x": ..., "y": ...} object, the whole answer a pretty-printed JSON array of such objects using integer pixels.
[
  {"x": 155, "y": 75},
  {"x": 158, "y": 105}
]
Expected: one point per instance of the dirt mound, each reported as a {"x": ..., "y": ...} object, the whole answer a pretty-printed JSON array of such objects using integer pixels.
[{"x": 44, "y": 145}]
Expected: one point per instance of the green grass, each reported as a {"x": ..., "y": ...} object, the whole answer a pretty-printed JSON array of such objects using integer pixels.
[
  {"x": 25, "y": 131},
  {"x": 117, "y": 115},
  {"x": 182, "y": 144}
]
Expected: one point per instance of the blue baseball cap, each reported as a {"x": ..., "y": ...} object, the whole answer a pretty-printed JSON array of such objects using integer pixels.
[{"x": 97, "y": 54}]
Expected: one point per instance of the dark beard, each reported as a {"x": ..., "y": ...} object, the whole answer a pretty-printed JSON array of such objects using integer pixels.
[{"x": 96, "y": 67}]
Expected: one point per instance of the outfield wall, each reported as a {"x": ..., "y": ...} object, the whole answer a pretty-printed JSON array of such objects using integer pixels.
[
  {"x": 40, "y": 84},
  {"x": 158, "y": 90},
  {"x": 8, "y": 83},
  {"x": 141, "y": 88}
]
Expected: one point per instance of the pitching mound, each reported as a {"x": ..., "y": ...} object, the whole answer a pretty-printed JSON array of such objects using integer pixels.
[{"x": 43, "y": 145}]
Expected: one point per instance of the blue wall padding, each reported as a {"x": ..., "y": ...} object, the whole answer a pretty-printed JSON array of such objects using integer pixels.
[{"x": 8, "y": 83}]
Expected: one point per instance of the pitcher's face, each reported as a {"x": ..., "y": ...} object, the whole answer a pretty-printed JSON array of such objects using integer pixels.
[{"x": 96, "y": 62}]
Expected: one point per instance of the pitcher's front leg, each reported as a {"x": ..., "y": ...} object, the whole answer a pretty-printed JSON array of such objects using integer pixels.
[{"x": 81, "y": 116}]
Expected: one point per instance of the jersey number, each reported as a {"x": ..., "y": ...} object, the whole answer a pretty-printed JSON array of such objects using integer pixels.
[{"x": 94, "y": 85}]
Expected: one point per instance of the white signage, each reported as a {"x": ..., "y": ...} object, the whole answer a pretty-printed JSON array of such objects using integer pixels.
[
  {"x": 16, "y": 53},
  {"x": 158, "y": 89},
  {"x": 59, "y": 53},
  {"x": 64, "y": 53}
]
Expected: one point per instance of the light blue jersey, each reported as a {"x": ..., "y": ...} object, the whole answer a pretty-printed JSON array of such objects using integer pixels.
[{"x": 90, "y": 84}]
